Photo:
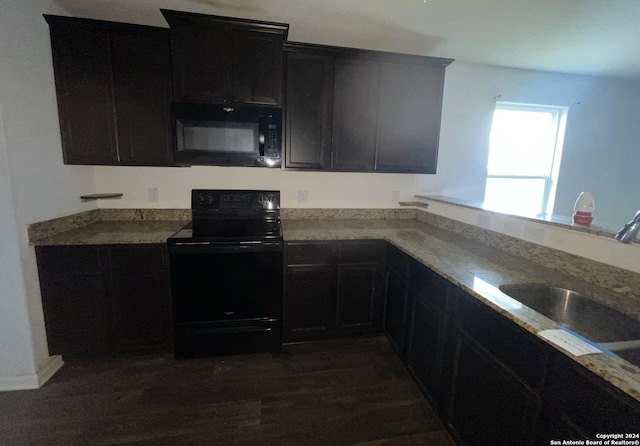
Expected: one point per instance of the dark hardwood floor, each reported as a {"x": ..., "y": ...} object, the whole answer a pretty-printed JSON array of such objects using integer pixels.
[{"x": 352, "y": 391}]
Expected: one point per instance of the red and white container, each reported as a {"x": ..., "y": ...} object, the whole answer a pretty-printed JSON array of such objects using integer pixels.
[{"x": 583, "y": 209}]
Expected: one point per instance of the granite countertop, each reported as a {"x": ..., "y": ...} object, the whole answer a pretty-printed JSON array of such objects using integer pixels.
[
  {"x": 479, "y": 269},
  {"x": 115, "y": 232},
  {"x": 475, "y": 267}
]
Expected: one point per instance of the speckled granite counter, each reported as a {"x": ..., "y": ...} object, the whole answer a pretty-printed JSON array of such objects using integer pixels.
[
  {"x": 479, "y": 269},
  {"x": 115, "y": 232}
]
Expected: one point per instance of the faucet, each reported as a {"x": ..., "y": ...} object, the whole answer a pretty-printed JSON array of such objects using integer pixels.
[{"x": 629, "y": 231}]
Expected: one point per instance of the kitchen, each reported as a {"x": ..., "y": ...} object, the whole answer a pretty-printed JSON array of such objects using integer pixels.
[{"x": 32, "y": 153}]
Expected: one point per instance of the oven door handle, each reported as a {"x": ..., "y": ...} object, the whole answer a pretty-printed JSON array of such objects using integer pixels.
[
  {"x": 223, "y": 248},
  {"x": 238, "y": 329},
  {"x": 262, "y": 130}
]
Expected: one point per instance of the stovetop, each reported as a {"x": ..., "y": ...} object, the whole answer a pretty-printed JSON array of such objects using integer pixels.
[
  {"x": 231, "y": 231},
  {"x": 232, "y": 215}
]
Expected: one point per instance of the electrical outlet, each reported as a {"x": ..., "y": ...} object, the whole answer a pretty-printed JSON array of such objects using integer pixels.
[
  {"x": 395, "y": 196},
  {"x": 303, "y": 195},
  {"x": 153, "y": 195}
]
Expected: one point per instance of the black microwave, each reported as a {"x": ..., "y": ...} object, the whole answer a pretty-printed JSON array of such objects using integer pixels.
[{"x": 226, "y": 135}]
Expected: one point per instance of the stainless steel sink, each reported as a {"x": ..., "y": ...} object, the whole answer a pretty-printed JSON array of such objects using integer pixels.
[{"x": 591, "y": 319}]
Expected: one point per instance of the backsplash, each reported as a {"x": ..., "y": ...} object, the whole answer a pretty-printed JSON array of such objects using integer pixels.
[{"x": 347, "y": 214}]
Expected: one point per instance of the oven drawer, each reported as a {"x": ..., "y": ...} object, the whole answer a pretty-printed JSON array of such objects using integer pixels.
[{"x": 213, "y": 339}]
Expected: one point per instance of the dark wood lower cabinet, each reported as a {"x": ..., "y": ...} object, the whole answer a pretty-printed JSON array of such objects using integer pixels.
[
  {"x": 491, "y": 381},
  {"x": 75, "y": 311},
  {"x": 310, "y": 301},
  {"x": 395, "y": 309},
  {"x": 105, "y": 300},
  {"x": 140, "y": 311},
  {"x": 586, "y": 403},
  {"x": 487, "y": 406},
  {"x": 426, "y": 346},
  {"x": 332, "y": 289}
]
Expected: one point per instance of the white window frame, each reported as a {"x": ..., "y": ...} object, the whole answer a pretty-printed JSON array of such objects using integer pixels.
[{"x": 551, "y": 180}]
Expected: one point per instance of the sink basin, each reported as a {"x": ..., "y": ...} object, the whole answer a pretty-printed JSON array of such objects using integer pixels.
[{"x": 591, "y": 319}]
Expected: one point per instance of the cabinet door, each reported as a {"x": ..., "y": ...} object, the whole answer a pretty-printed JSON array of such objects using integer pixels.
[
  {"x": 410, "y": 104},
  {"x": 142, "y": 87},
  {"x": 140, "y": 298},
  {"x": 394, "y": 310},
  {"x": 309, "y": 111},
  {"x": 198, "y": 61},
  {"x": 578, "y": 399},
  {"x": 359, "y": 293},
  {"x": 82, "y": 67},
  {"x": 487, "y": 406},
  {"x": 309, "y": 309},
  {"x": 256, "y": 60},
  {"x": 425, "y": 346},
  {"x": 309, "y": 291},
  {"x": 141, "y": 311},
  {"x": 74, "y": 300},
  {"x": 355, "y": 114}
]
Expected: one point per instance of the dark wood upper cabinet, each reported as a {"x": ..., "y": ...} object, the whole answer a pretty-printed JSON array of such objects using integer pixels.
[
  {"x": 379, "y": 111},
  {"x": 355, "y": 112},
  {"x": 226, "y": 60},
  {"x": 256, "y": 67},
  {"x": 409, "y": 110},
  {"x": 142, "y": 89},
  {"x": 309, "y": 110},
  {"x": 199, "y": 69},
  {"x": 113, "y": 90},
  {"x": 82, "y": 65}
]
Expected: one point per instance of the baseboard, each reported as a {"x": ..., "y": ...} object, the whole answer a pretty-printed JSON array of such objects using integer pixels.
[{"x": 35, "y": 381}]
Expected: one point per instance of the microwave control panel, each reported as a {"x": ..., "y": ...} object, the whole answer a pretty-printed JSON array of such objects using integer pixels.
[{"x": 272, "y": 145}]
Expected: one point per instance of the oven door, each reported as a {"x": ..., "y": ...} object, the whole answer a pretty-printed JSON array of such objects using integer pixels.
[
  {"x": 227, "y": 298},
  {"x": 226, "y": 282}
]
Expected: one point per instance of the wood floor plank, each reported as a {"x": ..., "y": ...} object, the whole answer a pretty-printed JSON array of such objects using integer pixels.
[{"x": 347, "y": 391}]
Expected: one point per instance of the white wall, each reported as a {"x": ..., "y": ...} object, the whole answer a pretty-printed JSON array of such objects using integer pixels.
[
  {"x": 601, "y": 144},
  {"x": 34, "y": 184},
  {"x": 325, "y": 189}
]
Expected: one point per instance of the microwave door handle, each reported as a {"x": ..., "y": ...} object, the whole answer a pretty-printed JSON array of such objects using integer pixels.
[{"x": 262, "y": 130}]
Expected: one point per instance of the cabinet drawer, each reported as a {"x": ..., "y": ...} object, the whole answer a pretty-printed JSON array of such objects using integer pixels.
[
  {"x": 513, "y": 347},
  {"x": 62, "y": 259},
  {"x": 428, "y": 285},
  {"x": 308, "y": 253},
  {"x": 132, "y": 258},
  {"x": 361, "y": 252}
]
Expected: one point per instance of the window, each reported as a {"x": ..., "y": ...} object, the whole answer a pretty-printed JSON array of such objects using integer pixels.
[{"x": 524, "y": 158}]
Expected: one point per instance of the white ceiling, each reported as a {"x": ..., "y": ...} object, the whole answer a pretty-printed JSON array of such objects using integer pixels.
[{"x": 595, "y": 37}]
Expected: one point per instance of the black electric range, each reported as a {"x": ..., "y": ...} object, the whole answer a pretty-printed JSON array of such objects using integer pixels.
[{"x": 226, "y": 274}]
